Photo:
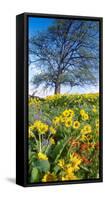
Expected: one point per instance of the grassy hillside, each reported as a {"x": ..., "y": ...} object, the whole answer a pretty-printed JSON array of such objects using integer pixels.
[{"x": 63, "y": 137}]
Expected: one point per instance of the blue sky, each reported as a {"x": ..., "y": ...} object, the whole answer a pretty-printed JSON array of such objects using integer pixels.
[{"x": 37, "y": 24}]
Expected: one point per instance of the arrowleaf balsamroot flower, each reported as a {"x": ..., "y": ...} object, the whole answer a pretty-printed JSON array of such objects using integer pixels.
[
  {"x": 56, "y": 121},
  {"x": 86, "y": 129},
  {"x": 82, "y": 112},
  {"x": 76, "y": 124},
  {"x": 42, "y": 156},
  {"x": 41, "y": 127},
  {"x": 61, "y": 163},
  {"x": 52, "y": 130},
  {"x": 68, "y": 122},
  {"x": 68, "y": 113},
  {"x": 30, "y": 134},
  {"x": 75, "y": 161},
  {"x": 48, "y": 177},
  {"x": 97, "y": 123},
  {"x": 69, "y": 174},
  {"x": 85, "y": 117}
]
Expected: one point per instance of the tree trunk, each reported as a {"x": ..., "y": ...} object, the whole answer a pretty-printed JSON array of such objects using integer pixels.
[{"x": 57, "y": 88}]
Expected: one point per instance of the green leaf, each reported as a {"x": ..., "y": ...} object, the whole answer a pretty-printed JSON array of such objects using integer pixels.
[
  {"x": 35, "y": 175},
  {"x": 84, "y": 168},
  {"x": 56, "y": 169},
  {"x": 59, "y": 148},
  {"x": 43, "y": 165}
]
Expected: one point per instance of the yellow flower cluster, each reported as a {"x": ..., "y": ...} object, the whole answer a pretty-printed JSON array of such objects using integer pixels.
[
  {"x": 84, "y": 115},
  {"x": 52, "y": 130},
  {"x": 34, "y": 101},
  {"x": 68, "y": 113},
  {"x": 41, "y": 127},
  {"x": 48, "y": 177},
  {"x": 71, "y": 167},
  {"x": 77, "y": 120},
  {"x": 97, "y": 123},
  {"x": 87, "y": 96},
  {"x": 30, "y": 133},
  {"x": 75, "y": 161},
  {"x": 65, "y": 118},
  {"x": 56, "y": 121},
  {"x": 42, "y": 156},
  {"x": 76, "y": 98},
  {"x": 69, "y": 175},
  {"x": 68, "y": 122},
  {"x": 54, "y": 97},
  {"x": 86, "y": 129},
  {"x": 94, "y": 109},
  {"x": 61, "y": 163}
]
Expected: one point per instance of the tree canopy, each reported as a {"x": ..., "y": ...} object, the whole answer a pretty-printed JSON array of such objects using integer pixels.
[{"x": 67, "y": 53}]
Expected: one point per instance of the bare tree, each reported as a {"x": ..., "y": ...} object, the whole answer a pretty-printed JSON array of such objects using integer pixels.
[{"x": 66, "y": 54}]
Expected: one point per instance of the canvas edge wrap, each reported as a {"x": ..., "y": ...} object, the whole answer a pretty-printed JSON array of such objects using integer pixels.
[{"x": 22, "y": 99}]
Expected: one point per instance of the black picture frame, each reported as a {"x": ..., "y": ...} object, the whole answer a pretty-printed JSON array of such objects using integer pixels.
[{"x": 22, "y": 98}]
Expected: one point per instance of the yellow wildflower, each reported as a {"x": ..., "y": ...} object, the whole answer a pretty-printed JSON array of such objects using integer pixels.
[
  {"x": 61, "y": 163},
  {"x": 34, "y": 101},
  {"x": 30, "y": 133},
  {"x": 56, "y": 121},
  {"x": 86, "y": 138},
  {"x": 41, "y": 127},
  {"x": 65, "y": 113},
  {"x": 85, "y": 116},
  {"x": 69, "y": 174},
  {"x": 52, "y": 130},
  {"x": 42, "y": 156},
  {"x": 82, "y": 112},
  {"x": 97, "y": 123},
  {"x": 63, "y": 178},
  {"x": 75, "y": 161},
  {"x": 76, "y": 124},
  {"x": 62, "y": 119},
  {"x": 32, "y": 127},
  {"x": 86, "y": 129},
  {"x": 71, "y": 112},
  {"x": 48, "y": 177},
  {"x": 83, "y": 137},
  {"x": 68, "y": 113},
  {"x": 68, "y": 122},
  {"x": 94, "y": 109},
  {"x": 52, "y": 141}
]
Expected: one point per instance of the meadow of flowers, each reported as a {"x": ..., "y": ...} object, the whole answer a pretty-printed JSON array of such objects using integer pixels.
[{"x": 63, "y": 138}]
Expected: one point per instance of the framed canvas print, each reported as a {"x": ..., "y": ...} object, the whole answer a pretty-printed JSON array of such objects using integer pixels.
[{"x": 58, "y": 99}]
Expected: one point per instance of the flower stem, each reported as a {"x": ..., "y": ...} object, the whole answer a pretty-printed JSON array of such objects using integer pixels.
[
  {"x": 48, "y": 142},
  {"x": 40, "y": 148}
]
